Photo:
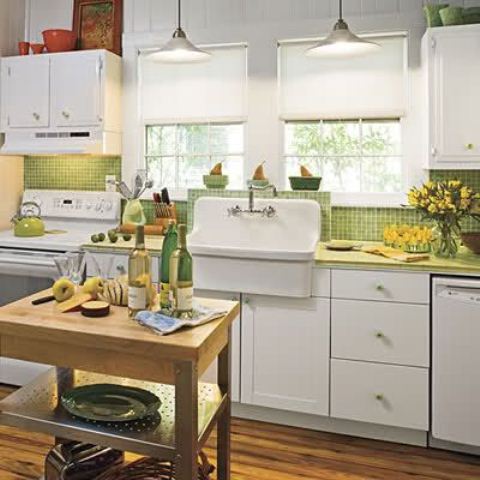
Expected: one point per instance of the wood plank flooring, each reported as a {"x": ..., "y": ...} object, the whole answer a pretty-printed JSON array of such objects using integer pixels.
[{"x": 262, "y": 451}]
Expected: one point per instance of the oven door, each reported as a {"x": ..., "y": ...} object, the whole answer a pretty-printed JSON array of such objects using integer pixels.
[{"x": 22, "y": 273}]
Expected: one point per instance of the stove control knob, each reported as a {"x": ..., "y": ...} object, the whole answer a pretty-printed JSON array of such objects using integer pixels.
[
  {"x": 98, "y": 207},
  {"x": 88, "y": 206},
  {"x": 108, "y": 206}
]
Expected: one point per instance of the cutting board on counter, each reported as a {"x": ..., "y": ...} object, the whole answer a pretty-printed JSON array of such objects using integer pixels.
[{"x": 395, "y": 254}]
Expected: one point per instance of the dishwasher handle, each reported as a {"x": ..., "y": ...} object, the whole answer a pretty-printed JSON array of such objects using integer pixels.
[{"x": 464, "y": 295}]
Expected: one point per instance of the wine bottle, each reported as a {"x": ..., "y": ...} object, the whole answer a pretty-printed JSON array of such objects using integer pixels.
[
  {"x": 169, "y": 245},
  {"x": 139, "y": 275},
  {"x": 181, "y": 279}
]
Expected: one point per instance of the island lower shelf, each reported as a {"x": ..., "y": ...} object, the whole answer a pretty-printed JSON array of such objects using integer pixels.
[{"x": 36, "y": 407}]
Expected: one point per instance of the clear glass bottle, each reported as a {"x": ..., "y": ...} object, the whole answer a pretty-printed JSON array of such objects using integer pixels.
[
  {"x": 140, "y": 291},
  {"x": 170, "y": 243},
  {"x": 181, "y": 276}
]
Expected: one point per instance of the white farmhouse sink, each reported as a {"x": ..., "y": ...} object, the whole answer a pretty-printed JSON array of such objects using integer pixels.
[{"x": 251, "y": 253}]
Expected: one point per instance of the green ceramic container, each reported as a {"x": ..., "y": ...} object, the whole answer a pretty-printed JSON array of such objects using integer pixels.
[
  {"x": 305, "y": 183},
  {"x": 215, "y": 181},
  {"x": 452, "y": 16},
  {"x": 258, "y": 183},
  {"x": 432, "y": 14}
]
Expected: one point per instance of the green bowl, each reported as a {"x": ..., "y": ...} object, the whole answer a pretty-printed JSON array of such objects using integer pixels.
[
  {"x": 452, "y": 16},
  {"x": 258, "y": 183},
  {"x": 432, "y": 14},
  {"x": 305, "y": 183},
  {"x": 216, "y": 181},
  {"x": 471, "y": 15}
]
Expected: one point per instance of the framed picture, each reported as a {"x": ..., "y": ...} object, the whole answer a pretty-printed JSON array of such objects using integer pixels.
[{"x": 98, "y": 24}]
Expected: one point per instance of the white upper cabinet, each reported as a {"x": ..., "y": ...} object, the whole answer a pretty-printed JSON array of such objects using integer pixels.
[
  {"x": 451, "y": 61},
  {"x": 84, "y": 79},
  {"x": 62, "y": 91},
  {"x": 25, "y": 92}
]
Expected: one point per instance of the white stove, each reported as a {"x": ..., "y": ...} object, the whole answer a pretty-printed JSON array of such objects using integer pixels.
[{"x": 27, "y": 263}]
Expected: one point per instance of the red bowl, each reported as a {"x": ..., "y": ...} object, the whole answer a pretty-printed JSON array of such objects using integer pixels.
[{"x": 59, "y": 40}]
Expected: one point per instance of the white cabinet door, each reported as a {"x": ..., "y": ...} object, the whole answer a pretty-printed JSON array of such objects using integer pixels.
[
  {"x": 454, "y": 95},
  {"x": 285, "y": 353},
  {"x": 210, "y": 375},
  {"x": 26, "y": 92},
  {"x": 76, "y": 90}
]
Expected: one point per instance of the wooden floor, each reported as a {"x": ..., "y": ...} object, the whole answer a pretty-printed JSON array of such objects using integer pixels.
[{"x": 268, "y": 452}]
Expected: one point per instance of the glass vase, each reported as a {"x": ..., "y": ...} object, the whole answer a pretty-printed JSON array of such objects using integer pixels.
[{"x": 446, "y": 240}]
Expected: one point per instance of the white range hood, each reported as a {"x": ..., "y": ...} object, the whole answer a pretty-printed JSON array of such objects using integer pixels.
[{"x": 86, "y": 142}]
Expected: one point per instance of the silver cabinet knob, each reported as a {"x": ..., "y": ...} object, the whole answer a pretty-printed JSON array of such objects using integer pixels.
[
  {"x": 380, "y": 335},
  {"x": 469, "y": 146},
  {"x": 246, "y": 301},
  {"x": 65, "y": 114},
  {"x": 379, "y": 396},
  {"x": 36, "y": 116},
  {"x": 379, "y": 287}
]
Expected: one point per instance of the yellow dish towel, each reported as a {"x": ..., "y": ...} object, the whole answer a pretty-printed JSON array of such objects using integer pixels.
[{"x": 395, "y": 254}]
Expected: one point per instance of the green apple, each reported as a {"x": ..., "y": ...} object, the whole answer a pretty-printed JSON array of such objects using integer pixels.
[
  {"x": 93, "y": 286},
  {"x": 63, "y": 289}
]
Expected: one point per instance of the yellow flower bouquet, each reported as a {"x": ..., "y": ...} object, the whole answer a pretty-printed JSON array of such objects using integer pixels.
[{"x": 445, "y": 203}]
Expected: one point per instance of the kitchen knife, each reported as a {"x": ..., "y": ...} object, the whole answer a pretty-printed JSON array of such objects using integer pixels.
[
  {"x": 165, "y": 196},
  {"x": 40, "y": 301}
]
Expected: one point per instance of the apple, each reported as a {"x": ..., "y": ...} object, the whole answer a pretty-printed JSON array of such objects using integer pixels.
[
  {"x": 93, "y": 286},
  {"x": 63, "y": 289}
]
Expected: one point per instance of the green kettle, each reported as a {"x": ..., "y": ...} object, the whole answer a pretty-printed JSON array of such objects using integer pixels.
[{"x": 27, "y": 222}]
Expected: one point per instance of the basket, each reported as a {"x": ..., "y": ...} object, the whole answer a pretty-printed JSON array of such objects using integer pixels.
[
  {"x": 452, "y": 16},
  {"x": 432, "y": 14},
  {"x": 151, "y": 469},
  {"x": 305, "y": 183},
  {"x": 215, "y": 181}
]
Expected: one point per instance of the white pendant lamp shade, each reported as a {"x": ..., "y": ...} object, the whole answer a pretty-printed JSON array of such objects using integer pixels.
[
  {"x": 342, "y": 42},
  {"x": 179, "y": 49}
]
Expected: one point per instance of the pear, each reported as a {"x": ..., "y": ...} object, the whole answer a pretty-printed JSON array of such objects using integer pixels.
[
  {"x": 259, "y": 173},
  {"x": 217, "y": 169},
  {"x": 305, "y": 172}
]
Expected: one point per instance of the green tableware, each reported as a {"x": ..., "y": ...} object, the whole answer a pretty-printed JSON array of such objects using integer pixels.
[
  {"x": 432, "y": 14},
  {"x": 133, "y": 213},
  {"x": 258, "y": 183},
  {"x": 471, "y": 15},
  {"x": 452, "y": 16},
  {"x": 215, "y": 181},
  {"x": 110, "y": 403},
  {"x": 305, "y": 183}
]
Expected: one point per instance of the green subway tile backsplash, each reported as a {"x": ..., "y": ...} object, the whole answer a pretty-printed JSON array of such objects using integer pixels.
[
  {"x": 360, "y": 223},
  {"x": 70, "y": 172}
]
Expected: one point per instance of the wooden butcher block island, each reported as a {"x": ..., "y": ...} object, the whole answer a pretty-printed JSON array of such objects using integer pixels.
[{"x": 115, "y": 349}]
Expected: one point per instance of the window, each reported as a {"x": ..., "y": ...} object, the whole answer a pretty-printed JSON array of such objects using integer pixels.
[
  {"x": 351, "y": 155},
  {"x": 178, "y": 155}
]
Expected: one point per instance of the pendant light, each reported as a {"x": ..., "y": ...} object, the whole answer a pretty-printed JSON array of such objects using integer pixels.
[
  {"x": 341, "y": 42},
  {"x": 179, "y": 49}
]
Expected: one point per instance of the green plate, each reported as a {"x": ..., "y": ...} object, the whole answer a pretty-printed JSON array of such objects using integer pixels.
[{"x": 110, "y": 403}]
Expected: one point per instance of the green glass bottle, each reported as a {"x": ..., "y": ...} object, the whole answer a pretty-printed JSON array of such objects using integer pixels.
[
  {"x": 181, "y": 276},
  {"x": 169, "y": 245},
  {"x": 140, "y": 294}
]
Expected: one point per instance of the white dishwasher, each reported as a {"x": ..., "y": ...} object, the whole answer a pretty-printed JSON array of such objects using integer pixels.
[{"x": 456, "y": 360}]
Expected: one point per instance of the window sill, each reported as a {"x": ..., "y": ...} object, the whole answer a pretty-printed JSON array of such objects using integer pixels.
[{"x": 373, "y": 200}]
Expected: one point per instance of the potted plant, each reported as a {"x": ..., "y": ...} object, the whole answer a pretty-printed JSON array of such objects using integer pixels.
[{"x": 444, "y": 203}]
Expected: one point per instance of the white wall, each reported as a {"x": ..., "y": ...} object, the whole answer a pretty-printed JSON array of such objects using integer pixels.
[
  {"x": 12, "y": 24},
  {"x": 44, "y": 14}
]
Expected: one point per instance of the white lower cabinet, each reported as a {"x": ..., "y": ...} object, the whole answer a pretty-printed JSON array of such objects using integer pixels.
[
  {"x": 286, "y": 353},
  {"x": 210, "y": 375},
  {"x": 383, "y": 394},
  {"x": 397, "y": 333}
]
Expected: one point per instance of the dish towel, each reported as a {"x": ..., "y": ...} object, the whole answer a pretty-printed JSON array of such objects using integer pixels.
[{"x": 164, "y": 324}]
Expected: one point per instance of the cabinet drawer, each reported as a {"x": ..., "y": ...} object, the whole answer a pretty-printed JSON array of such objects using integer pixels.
[
  {"x": 381, "y": 394},
  {"x": 382, "y": 332},
  {"x": 382, "y": 286},
  {"x": 321, "y": 282}
]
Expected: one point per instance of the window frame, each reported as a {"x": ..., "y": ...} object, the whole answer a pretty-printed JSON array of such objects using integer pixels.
[{"x": 176, "y": 192}]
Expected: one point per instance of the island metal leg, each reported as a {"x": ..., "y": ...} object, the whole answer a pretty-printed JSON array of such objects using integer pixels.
[
  {"x": 223, "y": 424},
  {"x": 186, "y": 421}
]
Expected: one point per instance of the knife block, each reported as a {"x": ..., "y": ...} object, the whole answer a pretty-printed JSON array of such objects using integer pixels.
[{"x": 163, "y": 221}]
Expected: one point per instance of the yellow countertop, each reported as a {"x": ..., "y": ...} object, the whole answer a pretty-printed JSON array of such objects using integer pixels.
[{"x": 465, "y": 262}]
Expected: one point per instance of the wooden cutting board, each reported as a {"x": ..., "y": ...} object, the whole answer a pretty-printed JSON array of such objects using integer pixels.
[{"x": 395, "y": 254}]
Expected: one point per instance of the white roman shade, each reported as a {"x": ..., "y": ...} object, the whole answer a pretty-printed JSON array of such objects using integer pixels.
[
  {"x": 196, "y": 92},
  {"x": 370, "y": 86}
]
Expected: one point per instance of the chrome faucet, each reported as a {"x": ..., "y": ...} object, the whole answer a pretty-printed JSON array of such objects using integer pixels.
[{"x": 268, "y": 211}]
